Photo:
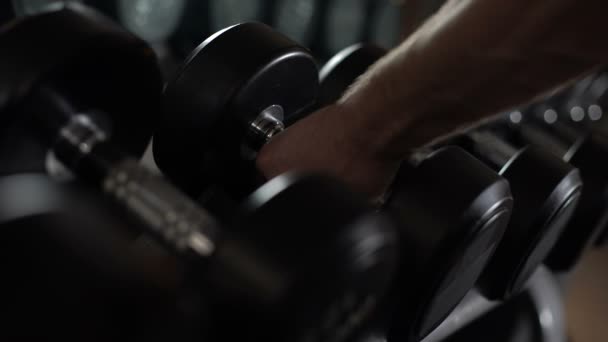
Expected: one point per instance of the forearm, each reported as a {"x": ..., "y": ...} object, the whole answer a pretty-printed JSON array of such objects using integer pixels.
[{"x": 473, "y": 59}]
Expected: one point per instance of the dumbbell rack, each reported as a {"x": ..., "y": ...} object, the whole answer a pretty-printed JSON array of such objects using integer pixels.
[{"x": 543, "y": 291}]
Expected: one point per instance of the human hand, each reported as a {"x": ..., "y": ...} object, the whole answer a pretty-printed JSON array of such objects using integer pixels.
[{"x": 325, "y": 142}]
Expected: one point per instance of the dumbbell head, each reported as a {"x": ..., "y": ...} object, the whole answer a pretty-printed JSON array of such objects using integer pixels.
[
  {"x": 591, "y": 218},
  {"x": 342, "y": 70},
  {"x": 217, "y": 106},
  {"x": 72, "y": 56},
  {"x": 586, "y": 151},
  {"x": 454, "y": 211},
  {"x": 68, "y": 257},
  {"x": 317, "y": 262},
  {"x": 450, "y": 224},
  {"x": 546, "y": 191},
  {"x": 306, "y": 253}
]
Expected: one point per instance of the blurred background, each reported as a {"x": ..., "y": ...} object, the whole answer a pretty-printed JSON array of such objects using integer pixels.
[{"x": 175, "y": 27}]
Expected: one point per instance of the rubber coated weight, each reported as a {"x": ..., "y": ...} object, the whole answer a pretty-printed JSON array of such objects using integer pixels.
[
  {"x": 64, "y": 49},
  {"x": 451, "y": 220},
  {"x": 546, "y": 191},
  {"x": 68, "y": 257},
  {"x": 588, "y": 153},
  {"x": 341, "y": 70},
  {"x": 344, "y": 260},
  {"x": 271, "y": 277},
  {"x": 452, "y": 225},
  {"x": 224, "y": 85}
]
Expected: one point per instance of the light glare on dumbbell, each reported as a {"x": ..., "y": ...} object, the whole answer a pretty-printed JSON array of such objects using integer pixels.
[
  {"x": 595, "y": 112},
  {"x": 550, "y": 116},
  {"x": 515, "y": 117},
  {"x": 577, "y": 113}
]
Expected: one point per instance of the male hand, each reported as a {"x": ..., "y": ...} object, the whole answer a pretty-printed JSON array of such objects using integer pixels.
[{"x": 324, "y": 142}]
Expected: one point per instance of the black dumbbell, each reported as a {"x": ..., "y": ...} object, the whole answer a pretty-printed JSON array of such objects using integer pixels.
[
  {"x": 223, "y": 105},
  {"x": 583, "y": 109},
  {"x": 545, "y": 188},
  {"x": 67, "y": 256},
  {"x": 305, "y": 258},
  {"x": 546, "y": 191},
  {"x": 221, "y": 108},
  {"x": 467, "y": 191},
  {"x": 587, "y": 151}
]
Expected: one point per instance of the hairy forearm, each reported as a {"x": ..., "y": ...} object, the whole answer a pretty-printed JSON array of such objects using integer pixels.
[{"x": 473, "y": 59}]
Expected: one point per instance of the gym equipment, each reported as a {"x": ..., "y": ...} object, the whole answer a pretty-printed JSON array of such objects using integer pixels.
[
  {"x": 580, "y": 108},
  {"x": 586, "y": 151},
  {"x": 545, "y": 188},
  {"x": 546, "y": 191},
  {"x": 87, "y": 92},
  {"x": 76, "y": 269},
  {"x": 222, "y": 108},
  {"x": 450, "y": 225}
]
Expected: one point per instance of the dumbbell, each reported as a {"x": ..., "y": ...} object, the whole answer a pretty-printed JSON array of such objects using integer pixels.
[
  {"x": 586, "y": 151},
  {"x": 581, "y": 108},
  {"x": 530, "y": 234},
  {"x": 222, "y": 108},
  {"x": 545, "y": 188},
  {"x": 451, "y": 225},
  {"x": 87, "y": 93},
  {"x": 546, "y": 191},
  {"x": 74, "y": 269}
]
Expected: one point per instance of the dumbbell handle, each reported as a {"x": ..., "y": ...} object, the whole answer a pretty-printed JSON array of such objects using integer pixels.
[
  {"x": 167, "y": 214},
  {"x": 265, "y": 126},
  {"x": 491, "y": 148}
]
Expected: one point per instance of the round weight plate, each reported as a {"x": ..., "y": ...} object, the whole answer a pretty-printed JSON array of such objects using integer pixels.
[
  {"x": 453, "y": 212},
  {"x": 546, "y": 191},
  {"x": 591, "y": 215},
  {"x": 344, "y": 68},
  {"x": 93, "y": 64},
  {"x": 223, "y": 86},
  {"x": 345, "y": 254},
  {"x": 463, "y": 216}
]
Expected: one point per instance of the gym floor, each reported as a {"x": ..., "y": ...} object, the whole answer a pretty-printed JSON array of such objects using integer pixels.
[{"x": 587, "y": 299}]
